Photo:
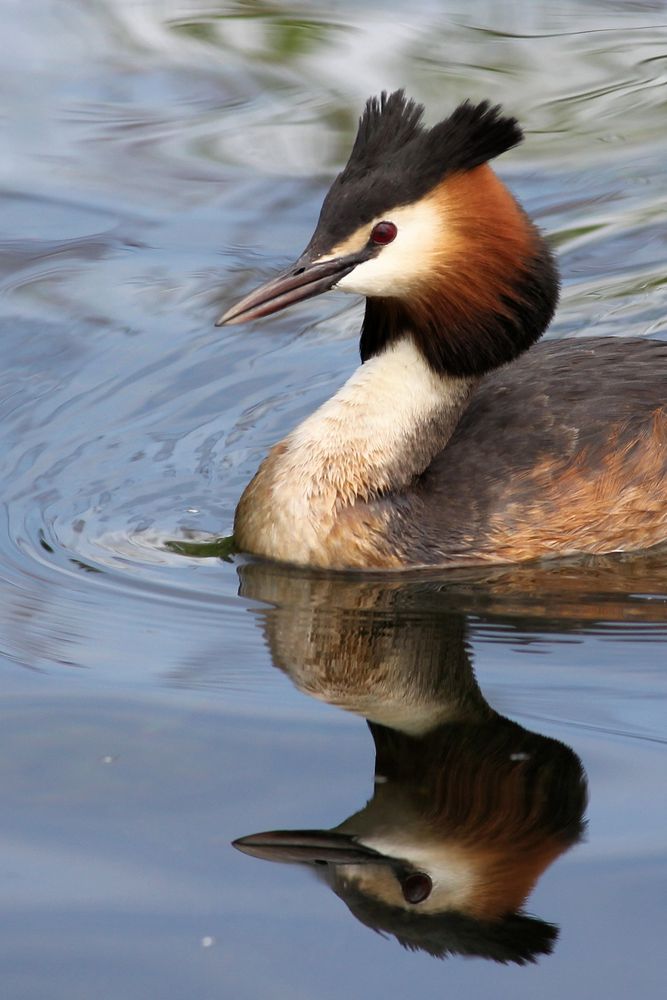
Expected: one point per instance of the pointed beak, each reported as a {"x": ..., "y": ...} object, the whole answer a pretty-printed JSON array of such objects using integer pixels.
[
  {"x": 304, "y": 279},
  {"x": 310, "y": 846}
]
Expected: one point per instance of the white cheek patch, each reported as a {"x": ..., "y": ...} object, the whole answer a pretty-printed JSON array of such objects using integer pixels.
[{"x": 404, "y": 263}]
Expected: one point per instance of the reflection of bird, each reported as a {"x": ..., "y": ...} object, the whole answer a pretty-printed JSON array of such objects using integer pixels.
[
  {"x": 468, "y": 807},
  {"x": 436, "y": 452}
]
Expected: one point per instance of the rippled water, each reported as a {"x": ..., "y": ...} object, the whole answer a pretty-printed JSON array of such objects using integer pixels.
[{"x": 159, "y": 158}]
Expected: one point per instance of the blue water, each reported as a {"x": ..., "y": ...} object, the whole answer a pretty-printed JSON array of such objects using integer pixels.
[{"x": 159, "y": 159}]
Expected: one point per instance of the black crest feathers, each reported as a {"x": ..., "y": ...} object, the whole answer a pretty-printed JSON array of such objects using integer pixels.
[
  {"x": 391, "y": 132},
  {"x": 387, "y": 124},
  {"x": 396, "y": 160}
]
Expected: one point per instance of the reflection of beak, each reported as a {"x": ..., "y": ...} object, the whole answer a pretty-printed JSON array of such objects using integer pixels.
[
  {"x": 308, "y": 846},
  {"x": 300, "y": 281}
]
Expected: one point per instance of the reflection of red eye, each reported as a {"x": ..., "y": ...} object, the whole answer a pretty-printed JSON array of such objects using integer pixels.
[
  {"x": 384, "y": 233},
  {"x": 416, "y": 888}
]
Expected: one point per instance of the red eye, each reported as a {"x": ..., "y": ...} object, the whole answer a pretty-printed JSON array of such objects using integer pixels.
[
  {"x": 384, "y": 233},
  {"x": 416, "y": 887}
]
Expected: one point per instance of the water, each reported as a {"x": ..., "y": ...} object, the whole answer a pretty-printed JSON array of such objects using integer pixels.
[{"x": 159, "y": 159}]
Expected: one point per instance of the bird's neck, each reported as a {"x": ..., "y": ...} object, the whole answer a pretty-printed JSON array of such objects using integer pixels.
[{"x": 370, "y": 440}]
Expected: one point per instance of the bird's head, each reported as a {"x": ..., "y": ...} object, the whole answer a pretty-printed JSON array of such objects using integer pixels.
[{"x": 419, "y": 224}]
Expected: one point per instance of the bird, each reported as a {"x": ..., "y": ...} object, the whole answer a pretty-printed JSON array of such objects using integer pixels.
[
  {"x": 460, "y": 440},
  {"x": 468, "y": 807}
]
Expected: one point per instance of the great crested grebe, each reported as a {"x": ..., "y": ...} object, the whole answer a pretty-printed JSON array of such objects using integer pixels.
[{"x": 453, "y": 443}]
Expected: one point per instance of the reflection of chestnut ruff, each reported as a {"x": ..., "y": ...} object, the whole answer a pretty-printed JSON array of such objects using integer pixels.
[
  {"x": 468, "y": 808},
  {"x": 506, "y": 802}
]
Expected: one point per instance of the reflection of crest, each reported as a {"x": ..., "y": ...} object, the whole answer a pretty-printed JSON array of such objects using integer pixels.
[{"x": 468, "y": 808}]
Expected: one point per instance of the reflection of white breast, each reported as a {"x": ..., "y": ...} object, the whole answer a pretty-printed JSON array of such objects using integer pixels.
[{"x": 413, "y": 718}]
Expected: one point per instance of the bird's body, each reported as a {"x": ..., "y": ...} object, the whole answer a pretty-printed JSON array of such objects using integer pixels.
[
  {"x": 564, "y": 451},
  {"x": 458, "y": 440}
]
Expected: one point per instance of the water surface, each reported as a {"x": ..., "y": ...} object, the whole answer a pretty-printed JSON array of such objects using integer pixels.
[{"x": 160, "y": 159}]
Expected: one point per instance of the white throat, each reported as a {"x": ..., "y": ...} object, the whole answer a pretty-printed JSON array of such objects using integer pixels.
[
  {"x": 378, "y": 432},
  {"x": 381, "y": 422}
]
